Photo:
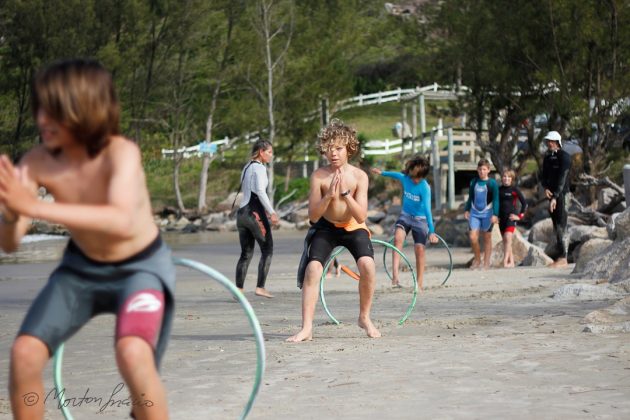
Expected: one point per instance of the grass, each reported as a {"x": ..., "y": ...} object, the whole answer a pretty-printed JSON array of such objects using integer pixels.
[{"x": 376, "y": 122}]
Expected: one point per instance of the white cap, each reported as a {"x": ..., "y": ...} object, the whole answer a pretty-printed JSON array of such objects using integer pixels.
[{"x": 554, "y": 136}]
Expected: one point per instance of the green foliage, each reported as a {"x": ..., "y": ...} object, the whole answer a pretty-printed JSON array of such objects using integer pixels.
[
  {"x": 302, "y": 186},
  {"x": 169, "y": 59}
]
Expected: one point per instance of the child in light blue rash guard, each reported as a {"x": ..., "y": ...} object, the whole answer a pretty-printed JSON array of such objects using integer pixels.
[{"x": 415, "y": 215}]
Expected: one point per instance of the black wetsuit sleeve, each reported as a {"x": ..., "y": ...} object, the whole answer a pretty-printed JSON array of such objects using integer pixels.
[
  {"x": 563, "y": 178},
  {"x": 521, "y": 198}
]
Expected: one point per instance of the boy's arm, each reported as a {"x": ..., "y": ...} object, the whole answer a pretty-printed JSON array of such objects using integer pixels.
[
  {"x": 317, "y": 204},
  {"x": 521, "y": 198},
  {"x": 396, "y": 175},
  {"x": 357, "y": 203},
  {"x": 115, "y": 216},
  {"x": 426, "y": 202},
  {"x": 495, "y": 197},
  {"x": 471, "y": 192},
  {"x": 13, "y": 226}
]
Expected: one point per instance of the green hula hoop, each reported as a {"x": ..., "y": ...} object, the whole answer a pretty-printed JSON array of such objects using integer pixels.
[
  {"x": 386, "y": 245},
  {"x": 253, "y": 322},
  {"x": 450, "y": 258}
]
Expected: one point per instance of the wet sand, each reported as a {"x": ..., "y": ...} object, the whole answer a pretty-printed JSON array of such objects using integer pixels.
[{"x": 488, "y": 344}]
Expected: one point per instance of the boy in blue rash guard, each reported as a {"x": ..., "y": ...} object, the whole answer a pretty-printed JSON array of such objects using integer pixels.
[
  {"x": 482, "y": 211},
  {"x": 415, "y": 214}
]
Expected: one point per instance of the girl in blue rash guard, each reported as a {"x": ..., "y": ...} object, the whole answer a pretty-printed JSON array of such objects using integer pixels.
[
  {"x": 415, "y": 215},
  {"x": 482, "y": 211}
]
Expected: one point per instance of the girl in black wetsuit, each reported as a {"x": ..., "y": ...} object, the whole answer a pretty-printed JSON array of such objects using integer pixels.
[
  {"x": 508, "y": 215},
  {"x": 251, "y": 219}
]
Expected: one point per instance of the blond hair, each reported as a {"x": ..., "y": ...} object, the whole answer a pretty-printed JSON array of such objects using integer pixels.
[
  {"x": 336, "y": 132},
  {"x": 510, "y": 173}
]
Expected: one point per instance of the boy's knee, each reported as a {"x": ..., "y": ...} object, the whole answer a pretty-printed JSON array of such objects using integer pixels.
[
  {"x": 366, "y": 263},
  {"x": 29, "y": 352},
  {"x": 132, "y": 351}
]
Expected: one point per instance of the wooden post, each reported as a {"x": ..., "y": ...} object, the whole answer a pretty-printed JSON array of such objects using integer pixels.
[
  {"x": 414, "y": 127},
  {"x": 423, "y": 119},
  {"x": 402, "y": 130},
  {"x": 437, "y": 184},
  {"x": 451, "y": 170}
]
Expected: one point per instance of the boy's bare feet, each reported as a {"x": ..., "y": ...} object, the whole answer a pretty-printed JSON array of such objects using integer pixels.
[
  {"x": 396, "y": 284},
  {"x": 369, "y": 328},
  {"x": 475, "y": 265},
  {"x": 303, "y": 335},
  {"x": 263, "y": 292},
  {"x": 560, "y": 263}
]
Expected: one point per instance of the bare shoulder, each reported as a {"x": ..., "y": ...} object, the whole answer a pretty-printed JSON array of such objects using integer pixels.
[
  {"x": 358, "y": 173},
  {"x": 123, "y": 149},
  {"x": 320, "y": 173},
  {"x": 38, "y": 160}
]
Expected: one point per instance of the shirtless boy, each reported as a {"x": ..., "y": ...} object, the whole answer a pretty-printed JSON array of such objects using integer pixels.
[
  {"x": 338, "y": 209},
  {"x": 115, "y": 261}
]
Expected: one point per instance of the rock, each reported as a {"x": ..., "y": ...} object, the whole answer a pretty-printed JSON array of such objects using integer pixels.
[
  {"x": 584, "y": 292},
  {"x": 605, "y": 197},
  {"x": 622, "y": 225},
  {"x": 588, "y": 251},
  {"x": 615, "y": 318},
  {"x": 376, "y": 216},
  {"x": 536, "y": 257},
  {"x": 376, "y": 230},
  {"x": 454, "y": 232},
  {"x": 46, "y": 228},
  {"x": 581, "y": 234},
  {"x": 542, "y": 231},
  {"x": 612, "y": 265},
  {"x": 226, "y": 205},
  {"x": 521, "y": 251}
]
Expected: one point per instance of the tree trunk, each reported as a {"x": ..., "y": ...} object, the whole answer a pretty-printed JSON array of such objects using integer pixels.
[{"x": 178, "y": 193}]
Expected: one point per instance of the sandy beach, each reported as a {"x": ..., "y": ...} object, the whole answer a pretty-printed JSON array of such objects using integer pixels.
[{"x": 488, "y": 344}]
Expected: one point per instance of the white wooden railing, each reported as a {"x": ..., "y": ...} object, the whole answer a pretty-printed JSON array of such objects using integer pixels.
[{"x": 433, "y": 91}]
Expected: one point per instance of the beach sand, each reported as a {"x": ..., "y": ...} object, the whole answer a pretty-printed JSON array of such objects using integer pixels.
[{"x": 488, "y": 344}]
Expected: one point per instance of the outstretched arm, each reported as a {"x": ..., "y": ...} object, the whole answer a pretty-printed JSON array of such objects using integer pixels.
[
  {"x": 114, "y": 217},
  {"x": 15, "y": 183}
]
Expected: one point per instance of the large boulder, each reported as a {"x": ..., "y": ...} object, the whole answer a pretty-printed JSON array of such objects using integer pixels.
[
  {"x": 613, "y": 319},
  {"x": 588, "y": 251},
  {"x": 454, "y": 232},
  {"x": 613, "y": 262}
]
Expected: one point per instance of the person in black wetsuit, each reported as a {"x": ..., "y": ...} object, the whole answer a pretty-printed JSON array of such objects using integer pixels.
[
  {"x": 555, "y": 181},
  {"x": 251, "y": 219},
  {"x": 508, "y": 214}
]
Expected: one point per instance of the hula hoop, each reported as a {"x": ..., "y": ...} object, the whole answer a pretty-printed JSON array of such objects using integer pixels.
[
  {"x": 249, "y": 311},
  {"x": 386, "y": 245},
  {"x": 450, "y": 258}
]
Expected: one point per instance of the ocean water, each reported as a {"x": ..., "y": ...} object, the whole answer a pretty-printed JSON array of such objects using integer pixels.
[{"x": 39, "y": 237}]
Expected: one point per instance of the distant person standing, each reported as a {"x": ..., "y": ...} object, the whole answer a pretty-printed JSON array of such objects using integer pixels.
[
  {"x": 508, "y": 214},
  {"x": 251, "y": 219},
  {"x": 555, "y": 181},
  {"x": 482, "y": 211}
]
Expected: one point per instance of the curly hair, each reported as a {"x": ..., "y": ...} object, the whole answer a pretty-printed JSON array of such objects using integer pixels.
[
  {"x": 336, "y": 132},
  {"x": 420, "y": 162}
]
